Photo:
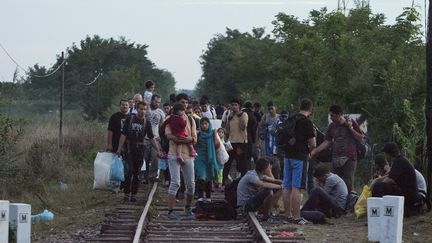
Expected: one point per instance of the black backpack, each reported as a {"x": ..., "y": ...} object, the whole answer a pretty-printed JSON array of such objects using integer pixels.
[
  {"x": 216, "y": 210},
  {"x": 285, "y": 132},
  {"x": 231, "y": 192}
]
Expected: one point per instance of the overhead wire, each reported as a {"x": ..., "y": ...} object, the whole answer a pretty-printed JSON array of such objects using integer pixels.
[
  {"x": 95, "y": 79},
  {"x": 30, "y": 74}
]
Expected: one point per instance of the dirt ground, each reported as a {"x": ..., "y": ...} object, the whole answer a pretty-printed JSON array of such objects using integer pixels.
[{"x": 349, "y": 229}]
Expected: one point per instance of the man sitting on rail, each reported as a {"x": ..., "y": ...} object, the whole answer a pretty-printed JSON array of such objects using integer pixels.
[{"x": 258, "y": 189}]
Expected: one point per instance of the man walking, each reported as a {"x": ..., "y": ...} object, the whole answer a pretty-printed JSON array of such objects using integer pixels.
[
  {"x": 135, "y": 130},
  {"x": 187, "y": 166},
  {"x": 115, "y": 126},
  {"x": 155, "y": 116},
  {"x": 237, "y": 129}
]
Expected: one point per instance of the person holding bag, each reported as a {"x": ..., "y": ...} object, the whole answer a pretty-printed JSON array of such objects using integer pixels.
[{"x": 206, "y": 164}]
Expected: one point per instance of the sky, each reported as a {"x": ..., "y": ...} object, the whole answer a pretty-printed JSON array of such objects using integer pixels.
[{"x": 176, "y": 31}]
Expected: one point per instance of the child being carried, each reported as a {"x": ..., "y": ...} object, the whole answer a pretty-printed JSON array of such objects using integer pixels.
[{"x": 177, "y": 123}]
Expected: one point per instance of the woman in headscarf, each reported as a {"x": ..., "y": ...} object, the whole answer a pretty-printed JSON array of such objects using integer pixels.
[{"x": 206, "y": 164}]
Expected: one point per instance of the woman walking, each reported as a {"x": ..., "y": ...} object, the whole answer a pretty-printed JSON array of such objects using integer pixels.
[{"x": 206, "y": 164}]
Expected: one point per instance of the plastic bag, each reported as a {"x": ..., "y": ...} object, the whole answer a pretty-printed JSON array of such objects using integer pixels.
[
  {"x": 221, "y": 153},
  {"x": 102, "y": 167},
  {"x": 360, "y": 208},
  {"x": 117, "y": 169},
  {"x": 44, "y": 216}
]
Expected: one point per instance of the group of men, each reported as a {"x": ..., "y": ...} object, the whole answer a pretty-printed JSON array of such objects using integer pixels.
[{"x": 134, "y": 130}]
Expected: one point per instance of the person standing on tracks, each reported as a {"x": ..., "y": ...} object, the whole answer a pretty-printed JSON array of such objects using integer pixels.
[
  {"x": 296, "y": 163},
  {"x": 207, "y": 109},
  {"x": 115, "y": 126},
  {"x": 187, "y": 167},
  {"x": 237, "y": 129},
  {"x": 136, "y": 99},
  {"x": 251, "y": 130},
  {"x": 135, "y": 130},
  {"x": 265, "y": 129},
  {"x": 206, "y": 164},
  {"x": 342, "y": 134},
  {"x": 156, "y": 117}
]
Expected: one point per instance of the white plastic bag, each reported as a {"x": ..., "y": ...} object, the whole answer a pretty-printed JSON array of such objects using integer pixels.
[
  {"x": 221, "y": 153},
  {"x": 102, "y": 167}
]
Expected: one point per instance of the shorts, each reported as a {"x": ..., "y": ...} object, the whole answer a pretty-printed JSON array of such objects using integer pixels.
[
  {"x": 162, "y": 164},
  {"x": 295, "y": 174}
]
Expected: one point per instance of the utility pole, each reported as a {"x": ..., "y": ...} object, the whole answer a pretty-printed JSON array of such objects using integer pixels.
[
  {"x": 429, "y": 99},
  {"x": 61, "y": 104}
]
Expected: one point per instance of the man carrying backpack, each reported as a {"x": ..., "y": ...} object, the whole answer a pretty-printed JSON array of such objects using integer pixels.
[
  {"x": 135, "y": 129},
  {"x": 296, "y": 160},
  {"x": 343, "y": 134}
]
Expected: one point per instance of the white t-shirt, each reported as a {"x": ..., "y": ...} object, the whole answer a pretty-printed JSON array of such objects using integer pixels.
[
  {"x": 147, "y": 96},
  {"x": 155, "y": 117},
  {"x": 210, "y": 113}
]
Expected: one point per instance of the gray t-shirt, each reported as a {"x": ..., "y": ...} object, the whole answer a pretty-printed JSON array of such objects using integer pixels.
[
  {"x": 155, "y": 117},
  {"x": 337, "y": 189},
  {"x": 247, "y": 187}
]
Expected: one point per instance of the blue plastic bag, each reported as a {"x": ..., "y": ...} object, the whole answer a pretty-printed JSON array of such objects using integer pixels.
[
  {"x": 44, "y": 216},
  {"x": 117, "y": 169}
]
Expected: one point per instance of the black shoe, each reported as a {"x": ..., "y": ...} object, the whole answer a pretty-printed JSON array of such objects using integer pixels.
[
  {"x": 126, "y": 198},
  {"x": 133, "y": 199}
]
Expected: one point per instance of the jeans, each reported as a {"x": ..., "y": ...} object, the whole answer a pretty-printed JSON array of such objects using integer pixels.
[
  {"x": 239, "y": 153},
  {"x": 321, "y": 201},
  {"x": 134, "y": 162},
  {"x": 150, "y": 156},
  {"x": 346, "y": 172},
  {"x": 188, "y": 175},
  {"x": 254, "y": 203}
]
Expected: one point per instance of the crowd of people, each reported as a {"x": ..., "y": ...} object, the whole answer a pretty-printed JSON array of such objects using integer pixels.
[{"x": 177, "y": 144}]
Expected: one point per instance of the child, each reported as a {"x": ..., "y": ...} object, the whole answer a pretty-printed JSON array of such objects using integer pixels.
[
  {"x": 228, "y": 147},
  {"x": 148, "y": 93},
  {"x": 177, "y": 123}
]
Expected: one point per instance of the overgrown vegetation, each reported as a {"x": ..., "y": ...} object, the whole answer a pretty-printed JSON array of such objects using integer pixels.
[{"x": 355, "y": 60}]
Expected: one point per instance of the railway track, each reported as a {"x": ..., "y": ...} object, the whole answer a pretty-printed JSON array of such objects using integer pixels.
[{"x": 131, "y": 223}]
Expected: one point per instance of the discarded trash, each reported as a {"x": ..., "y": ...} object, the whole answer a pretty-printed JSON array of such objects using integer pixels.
[
  {"x": 44, "y": 216},
  {"x": 285, "y": 234},
  {"x": 62, "y": 185}
]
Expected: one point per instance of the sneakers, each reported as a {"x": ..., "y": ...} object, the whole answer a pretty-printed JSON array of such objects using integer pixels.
[
  {"x": 300, "y": 221},
  {"x": 272, "y": 219},
  {"x": 173, "y": 216},
  {"x": 189, "y": 215}
]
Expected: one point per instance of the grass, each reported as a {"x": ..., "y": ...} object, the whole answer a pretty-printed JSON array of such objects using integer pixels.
[{"x": 38, "y": 165}]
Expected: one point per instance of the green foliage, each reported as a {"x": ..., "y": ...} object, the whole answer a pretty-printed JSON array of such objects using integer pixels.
[
  {"x": 125, "y": 68},
  {"x": 409, "y": 131},
  {"x": 355, "y": 60},
  {"x": 10, "y": 132}
]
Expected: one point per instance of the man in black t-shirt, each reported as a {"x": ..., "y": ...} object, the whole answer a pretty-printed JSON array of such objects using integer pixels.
[
  {"x": 115, "y": 126},
  {"x": 400, "y": 181},
  {"x": 135, "y": 130},
  {"x": 296, "y": 163}
]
